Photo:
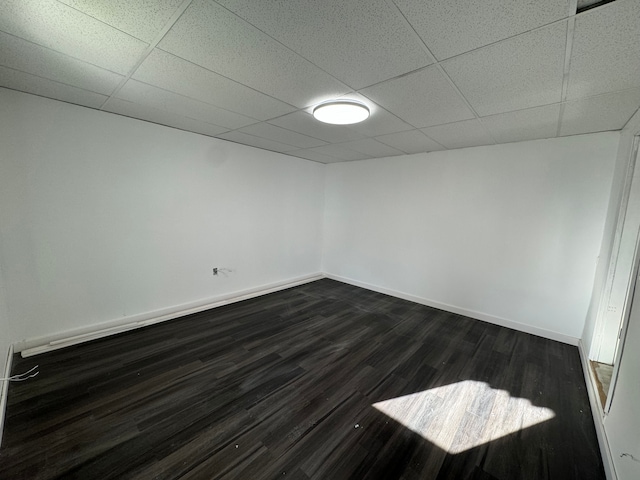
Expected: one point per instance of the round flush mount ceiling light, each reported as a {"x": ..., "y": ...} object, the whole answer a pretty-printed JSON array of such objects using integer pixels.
[{"x": 341, "y": 112}]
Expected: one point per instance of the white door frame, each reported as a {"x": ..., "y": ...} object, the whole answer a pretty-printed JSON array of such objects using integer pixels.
[
  {"x": 623, "y": 332},
  {"x": 616, "y": 295}
]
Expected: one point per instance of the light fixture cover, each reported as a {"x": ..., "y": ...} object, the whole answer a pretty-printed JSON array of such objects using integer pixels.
[{"x": 341, "y": 112}]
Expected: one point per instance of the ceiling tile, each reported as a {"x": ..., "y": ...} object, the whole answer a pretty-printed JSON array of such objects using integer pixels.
[
  {"x": 143, "y": 19},
  {"x": 468, "y": 133},
  {"x": 282, "y": 135},
  {"x": 452, "y": 27},
  {"x": 371, "y": 147},
  {"x": 20, "y": 54},
  {"x": 261, "y": 76},
  {"x": 524, "y": 71},
  {"x": 53, "y": 25},
  {"x": 600, "y": 113},
  {"x": 360, "y": 42},
  {"x": 154, "y": 115},
  {"x": 530, "y": 124},
  {"x": 150, "y": 96},
  {"x": 209, "y": 35},
  {"x": 423, "y": 98},
  {"x": 606, "y": 50},
  {"x": 315, "y": 156},
  {"x": 379, "y": 122},
  {"x": 172, "y": 73},
  {"x": 26, "y": 82},
  {"x": 339, "y": 152},
  {"x": 413, "y": 141},
  {"x": 250, "y": 140},
  {"x": 304, "y": 123}
]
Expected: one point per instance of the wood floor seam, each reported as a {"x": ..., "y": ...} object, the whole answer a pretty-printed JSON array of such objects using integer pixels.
[{"x": 324, "y": 380}]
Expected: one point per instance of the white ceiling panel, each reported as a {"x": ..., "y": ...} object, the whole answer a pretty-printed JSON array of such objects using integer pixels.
[
  {"x": 468, "y": 133},
  {"x": 304, "y": 123},
  {"x": 413, "y": 141},
  {"x": 518, "y": 73},
  {"x": 28, "y": 57},
  {"x": 26, "y": 82},
  {"x": 172, "y": 73},
  {"x": 380, "y": 122},
  {"x": 531, "y": 124},
  {"x": 211, "y": 36},
  {"x": 257, "y": 142},
  {"x": 423, "y": 98},
  {"x": 600, "y": 113},
  {"x": 258, "y": 68},
  {"x": 57, "y": 26},
  {"x": 606, "y": 50},
  {"x": 154, "y": 97},
  {"x": 360, "y": 42},
  {"x": 143, "y": 19},
  {"x": 282, "y": 135},
  {"x": 315, "y": 156},
  {"x": 339, "y": 152},
  {"x": 452, "y": 27},
  {"x": 154, "y": 115},
  {"x": 372, "y": 147}
]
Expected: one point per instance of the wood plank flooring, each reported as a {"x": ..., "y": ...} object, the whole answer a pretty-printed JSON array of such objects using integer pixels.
[{"x": 321, "y": 381}]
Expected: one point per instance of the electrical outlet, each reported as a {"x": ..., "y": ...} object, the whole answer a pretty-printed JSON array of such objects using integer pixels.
[{"x": 215, "y": 271}]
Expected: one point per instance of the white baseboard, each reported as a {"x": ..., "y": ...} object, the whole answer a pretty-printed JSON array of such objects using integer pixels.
[
  {"x": 598, "y": 416},
  {"x": 503, "y": 322},
  {"x": 48, "y": 343},
  {"x": 5, "y": 390}
]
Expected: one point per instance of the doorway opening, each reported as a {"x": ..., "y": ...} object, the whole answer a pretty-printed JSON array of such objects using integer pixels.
[{"x": 615, "y": 301}]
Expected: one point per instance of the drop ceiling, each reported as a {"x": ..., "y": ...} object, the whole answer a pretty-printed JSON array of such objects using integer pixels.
[{"x": 437, "y": 74}]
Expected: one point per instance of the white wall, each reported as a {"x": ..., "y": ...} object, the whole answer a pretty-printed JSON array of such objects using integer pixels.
[
  {"x": 5, "y": 332},
  {"x": 104, "y": 217},
  {"x": 508, "y": 233},
  {"x": 5, "y": 344}
]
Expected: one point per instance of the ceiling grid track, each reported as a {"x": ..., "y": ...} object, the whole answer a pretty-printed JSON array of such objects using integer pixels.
[
  {"x": 350, "y": 90},
  {"x": 174, "y": 18},
  {"x": 443, "y": 72},
  {"x": 571, "y": 25}
]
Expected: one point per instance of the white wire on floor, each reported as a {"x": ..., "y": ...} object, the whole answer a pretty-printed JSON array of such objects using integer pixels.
[{"x": 20, "y": 377}]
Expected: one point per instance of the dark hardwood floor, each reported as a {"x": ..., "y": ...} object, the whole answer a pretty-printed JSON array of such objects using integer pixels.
[{"x": 321, "y": 381}]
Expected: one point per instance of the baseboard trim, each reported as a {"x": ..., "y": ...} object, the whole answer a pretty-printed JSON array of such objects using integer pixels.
[
  {"x": 503, "y": 322},
  {"x": 5, "y": 391},
  {"x": 598, "y": 416},
  {"x": 48, "y": 343}
]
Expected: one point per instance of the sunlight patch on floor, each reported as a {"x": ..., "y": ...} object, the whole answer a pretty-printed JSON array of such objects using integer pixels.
[{"x": 463, "y": 415}]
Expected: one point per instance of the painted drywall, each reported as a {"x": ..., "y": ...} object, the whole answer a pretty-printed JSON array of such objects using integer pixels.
[
  {"x": 604, "y": 272},
  {"x": 5, "y": 331},
  {"x": 622, "y": 424},
  {"x": 5, "y": 352},
  {"x": 506, "y": 232},
  {"x": 105, "y": 217}
]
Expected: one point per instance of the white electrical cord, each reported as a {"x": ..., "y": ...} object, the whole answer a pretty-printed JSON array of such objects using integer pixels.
[{"x": 21, "y": 376}]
